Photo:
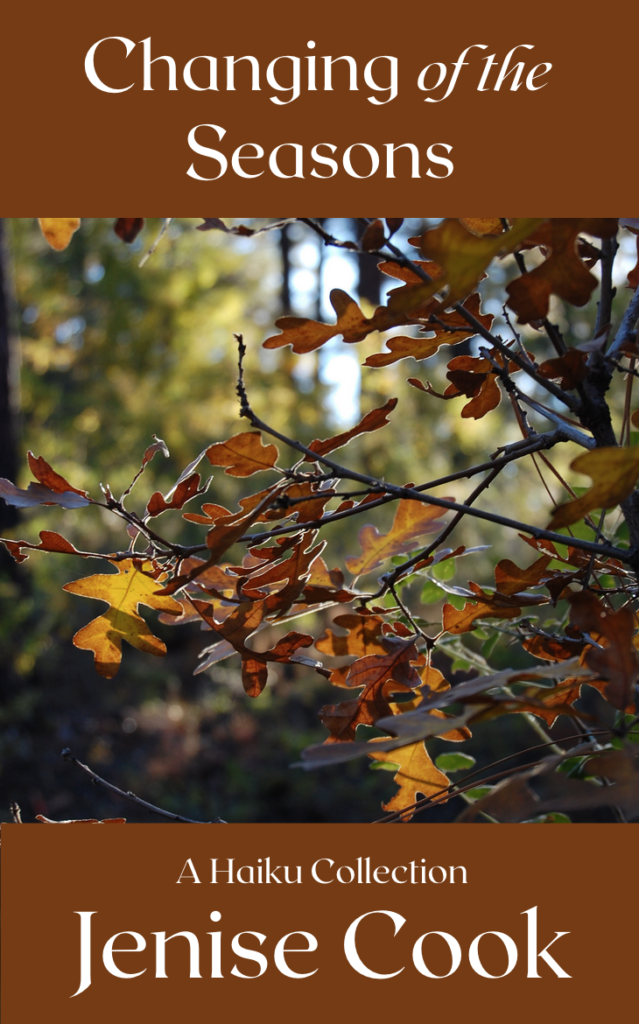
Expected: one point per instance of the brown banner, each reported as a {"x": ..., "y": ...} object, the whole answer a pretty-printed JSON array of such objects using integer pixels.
[
  {"x": 461, "y": 107},
  {"x": 309, "y": 922}
]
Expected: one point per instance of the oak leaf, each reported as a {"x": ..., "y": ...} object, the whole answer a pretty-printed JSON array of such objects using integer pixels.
[
  {"x": 123, "y": 592},
  {"x": 183, "y": 492},
  {"x": 431, "y": 337},
  {"x": 416, "y": 776},
  {"x": 373, "y": 420},
  {"x": 49, "y": 541},
  {"x": 463, "y": 258},
  {"x": 562, "y": 273},
  {"x": 238, "y": 627},
  {"x": 58, "y": 231},
  {"x": 618, "y": 661},
  {"x": 569, "y": 369},
  {"x": 379, "y": 675},
  {"x": 243, "y": 454},
  {"x": 614, "y": 472},
  {"x": 412, "y": 519}
]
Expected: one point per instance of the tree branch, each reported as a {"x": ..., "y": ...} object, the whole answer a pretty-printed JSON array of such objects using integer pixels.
[{"x": 128, "y": 795}]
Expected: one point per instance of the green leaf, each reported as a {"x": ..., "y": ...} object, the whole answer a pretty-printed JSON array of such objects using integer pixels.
[
  {"x": 444, "y": 570},
  {"x": 454, "y": 762},
  {"x": 554, "y": 818},
  {"x": 383, "y": 766},
  {"x": 431, "y": 592},
  {"x": 476, "y": 794},
  {"x": 487, "y": 648}
]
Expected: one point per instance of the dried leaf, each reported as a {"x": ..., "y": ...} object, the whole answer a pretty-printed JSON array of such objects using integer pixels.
[
  {"x": 379, "y": 675},
  {"x": 374, "y": 237},
  {"x": 48, "y": 477},
  {"x": 569, "y": 370},
  {"x": 36, "y": 494},
  {"x": 123, "y": 591},
  {"x": 182, "y": 493},
  {"x": 363, "y": 636},
  {"x": 58, "y": 231},
  {"x": 417, "y": 776},
  {"x": 412, "y": 519},
  {"x": 432, "y": 336},
  {"x": 373, "y": 420},
  {"x": 128, "y": 228},
  {"x": 243, "y": 454},
  {"x": 157, "y": 446},
  {"x": 562, "y": 273},
  {"x": 618, "y": 661},
  {"x": 49, "y": 541},
  {"x": 614, "y": 472},
  {"x": 463, "y": 258}
]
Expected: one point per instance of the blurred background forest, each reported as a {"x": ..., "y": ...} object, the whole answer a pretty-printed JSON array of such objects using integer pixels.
[{"x": 107, "y": 353}]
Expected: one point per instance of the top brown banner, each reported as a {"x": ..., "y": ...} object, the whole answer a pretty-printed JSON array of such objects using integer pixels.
[{"x": 264, "y": 108}]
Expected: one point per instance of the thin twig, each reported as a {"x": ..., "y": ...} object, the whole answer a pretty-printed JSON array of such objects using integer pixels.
[{"x": 128, "y": 795}]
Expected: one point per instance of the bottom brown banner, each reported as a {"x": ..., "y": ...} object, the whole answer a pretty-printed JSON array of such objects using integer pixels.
[{"x": 325, "y": 921}]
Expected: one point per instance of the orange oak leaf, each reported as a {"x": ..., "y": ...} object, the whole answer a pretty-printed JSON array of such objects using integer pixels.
[
  {"x": 617, "y": 660},
  {"x": 412, "y": 520},
  {"x": 486, "y": 606},
  {"x": 49, "y": 541},
  {"x": 373, "y": 420},
  {"x": 562, "y": 273},
  {"x": 416, "y": 776},
  {"x": 379, "y": 675},
  {"x": 58, "y": 231},
  {"x": 123, "y": 591},
  {"x": 614, "y": 472},
  {"x": 569, "y": 370},
  {"x": 243, "y": 454},
  {"x": 48, "y": 477},
  {"x": 306, "y": 335},
  {"x": 246, "y": 618},
  {"x": 363, "y": 636},
  {"x": 433, "y": 336},
  {"x": 182, "y": 493}
]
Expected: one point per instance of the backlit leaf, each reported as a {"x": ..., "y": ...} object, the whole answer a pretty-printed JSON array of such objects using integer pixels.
[
  {"x": 614, "y": 472},
  {"x": 243, "y": 454},
  {"x": 123, "y": 591},
  {"x": 412, "y": 520},
  {"x": 58, "y": 231}
]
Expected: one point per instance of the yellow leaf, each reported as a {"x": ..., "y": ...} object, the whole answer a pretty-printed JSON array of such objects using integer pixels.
[
  {"x": 614, "y": 472},
  {"x": 58, "y": 230},
  {"x": 123, "y": 591},
  {"x": 416, "y": 775}
]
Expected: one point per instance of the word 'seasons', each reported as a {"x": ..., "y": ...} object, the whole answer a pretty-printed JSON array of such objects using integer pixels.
[
  {"x": 284, "y": 74},
  {"x": 324, "y": 872},
  {"x": 306, "y": 942},
  {"x": 290, "y": 159}
]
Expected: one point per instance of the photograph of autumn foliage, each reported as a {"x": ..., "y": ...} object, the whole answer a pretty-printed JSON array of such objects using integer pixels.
[{"x": 319, "y": 520}]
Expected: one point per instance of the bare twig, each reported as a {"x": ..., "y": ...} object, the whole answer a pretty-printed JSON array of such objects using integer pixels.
[{"x": 128, "y": 795}]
